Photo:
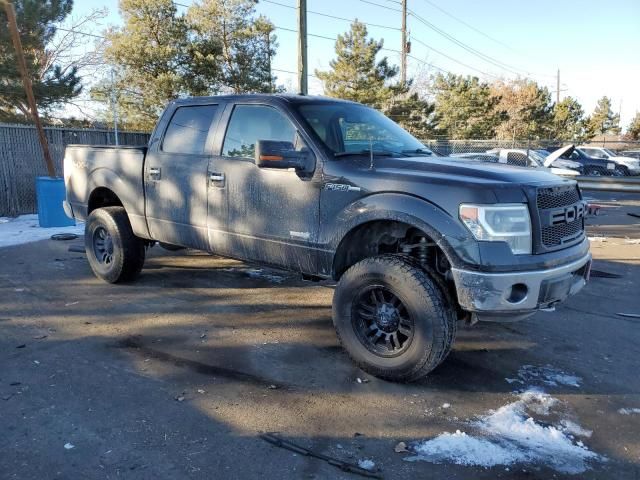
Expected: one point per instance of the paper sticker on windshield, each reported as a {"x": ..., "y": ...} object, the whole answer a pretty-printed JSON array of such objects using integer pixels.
[{"x": 340, "y": 187}]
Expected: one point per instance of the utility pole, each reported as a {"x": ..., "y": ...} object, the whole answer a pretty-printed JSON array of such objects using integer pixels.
[
  {"x": 26, "y": 82},
  {"x": 403, "y": 63},
  {"x": 558, "y": 87},
  {"x": 114, "y": 107},
  {"x": 302, "y": 47}
]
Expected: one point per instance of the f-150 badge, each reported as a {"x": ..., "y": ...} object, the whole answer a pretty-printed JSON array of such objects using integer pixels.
[{"x": 340, "y": 187}]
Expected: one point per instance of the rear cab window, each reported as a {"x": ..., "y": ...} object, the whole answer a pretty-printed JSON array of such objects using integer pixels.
[{"x": 188, "y": 129}]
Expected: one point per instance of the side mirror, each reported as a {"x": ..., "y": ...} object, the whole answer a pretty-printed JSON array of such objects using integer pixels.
[{"x": 276, "y": 154}]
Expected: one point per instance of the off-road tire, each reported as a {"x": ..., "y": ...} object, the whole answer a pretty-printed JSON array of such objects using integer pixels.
[
  {"x": 621, "y": 171},
  {"x": 434, "y": 319},
  {"x": 128, "y": 251}
]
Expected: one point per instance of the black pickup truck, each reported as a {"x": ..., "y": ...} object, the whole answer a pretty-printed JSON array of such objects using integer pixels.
[{"x": 335, "y": 190}]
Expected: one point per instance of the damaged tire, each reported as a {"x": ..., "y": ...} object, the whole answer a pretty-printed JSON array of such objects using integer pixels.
[
  {"x": 393, "y": 318},
  {"x": 114, "y": 252}
]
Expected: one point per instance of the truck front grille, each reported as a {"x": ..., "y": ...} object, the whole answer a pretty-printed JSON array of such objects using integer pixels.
[
  {"x": 561, "y": 214},
  {"x": 557, "y": 197}
]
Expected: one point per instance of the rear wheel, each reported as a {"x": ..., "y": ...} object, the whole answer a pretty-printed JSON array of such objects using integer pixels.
[
  {"x": 114, "y": 252},
  {"x": 392, "y": 318}
]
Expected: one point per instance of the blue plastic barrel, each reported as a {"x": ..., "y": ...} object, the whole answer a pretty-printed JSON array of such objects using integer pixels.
[{"x": 50, "y": 193}]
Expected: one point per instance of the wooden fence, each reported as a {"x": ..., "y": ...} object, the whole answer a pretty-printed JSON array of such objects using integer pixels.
[{"x": 21, "y": 159}]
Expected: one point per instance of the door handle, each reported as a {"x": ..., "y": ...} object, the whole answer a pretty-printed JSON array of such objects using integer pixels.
[
  {"x": 216, "y": 178},
  {"x": 155, "y": 173}
]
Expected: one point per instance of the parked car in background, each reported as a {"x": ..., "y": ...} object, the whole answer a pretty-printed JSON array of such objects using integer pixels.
[
  {"x": 483, "y": 157},
  {"x": 624, "y": 165},
  {"x": 562, "y": 162},
  {"x": 595, "y": 167},
  {"x": 631, "y": 153},
  {"x": 531, "y": 158}
]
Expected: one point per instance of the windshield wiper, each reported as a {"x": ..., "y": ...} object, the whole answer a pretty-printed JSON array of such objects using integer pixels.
[
  {"x": 423, "y": 151},
  {"x": 379, "y": 153}
]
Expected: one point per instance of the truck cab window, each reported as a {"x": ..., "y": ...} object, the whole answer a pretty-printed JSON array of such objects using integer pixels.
[
  {"x": 250, "y": 123},
  {"x": 188, "y": 129}
]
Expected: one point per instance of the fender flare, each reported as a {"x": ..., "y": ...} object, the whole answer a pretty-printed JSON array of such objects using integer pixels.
[
  {"x": 132, "y": 200},
  {"x": 448, "y": 233}
]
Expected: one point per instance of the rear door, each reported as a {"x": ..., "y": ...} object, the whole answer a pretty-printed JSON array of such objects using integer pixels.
[
  {"x": 273, "y": 214},
  {"x": 175, "y": 175}
]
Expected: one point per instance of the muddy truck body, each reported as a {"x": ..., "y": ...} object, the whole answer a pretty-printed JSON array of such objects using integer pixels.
[{"x": 335, "y": 190}]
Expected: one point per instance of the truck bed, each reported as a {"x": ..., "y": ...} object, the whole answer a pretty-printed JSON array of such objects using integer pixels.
[{"x": 87, "y": 167}]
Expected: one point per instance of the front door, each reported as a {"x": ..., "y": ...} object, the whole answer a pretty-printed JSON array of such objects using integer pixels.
[
  {"x": 273, "y": 214},
  {"x": 176, "y": 178}
]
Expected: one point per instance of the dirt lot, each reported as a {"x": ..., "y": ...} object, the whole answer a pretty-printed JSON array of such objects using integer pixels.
[{"x": 176, "y": 375}]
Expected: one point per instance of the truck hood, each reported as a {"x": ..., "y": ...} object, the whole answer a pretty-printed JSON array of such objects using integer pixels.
[{"x": 462, "y": 170}]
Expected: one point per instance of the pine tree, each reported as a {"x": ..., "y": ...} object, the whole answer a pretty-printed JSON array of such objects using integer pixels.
[
  {"x": 568, "y": 120},
  {"x": 465, "y": 107},
  {"x": 603, "y": 121},
  {"x": 415, "y": 115},
  {"x": 356, "y": 74},
  {"x": 633, "y": 132},
  {"x": 52, "y": 84},
  {"x": 246, "y": 42}
]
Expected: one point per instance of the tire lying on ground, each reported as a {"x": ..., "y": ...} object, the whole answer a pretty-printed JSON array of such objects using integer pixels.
[
  {"x": 114, "y": 252},
  {"x": 392, "y": 318}
]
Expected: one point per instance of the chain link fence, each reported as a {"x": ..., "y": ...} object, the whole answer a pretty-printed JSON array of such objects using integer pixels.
[{"x": 21, "y": 159}]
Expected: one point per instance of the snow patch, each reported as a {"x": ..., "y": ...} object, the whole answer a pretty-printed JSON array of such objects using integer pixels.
[
  {"x": 367, "y": 464},
  {"x": 574, "y": 429},
  {"x": 548, "y": 375},
  {"x": 628, "y": 411},
  {"x": 598, "y": 239},
  {"x": 510, "y": 435},
  {"x": 25, "y": 229},
  {"x": 634, "y": 241}
]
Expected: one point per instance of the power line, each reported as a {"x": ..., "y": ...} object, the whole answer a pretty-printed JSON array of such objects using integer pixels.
[
  {"x": 335, "y": 17},
  {"x": 453, "y": 59},
  {"x": 382, "y": 6},
  {"x": 487, "y": 58}
]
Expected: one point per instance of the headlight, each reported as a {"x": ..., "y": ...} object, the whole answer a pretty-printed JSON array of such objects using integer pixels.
[{"x": 499, "y": 223}]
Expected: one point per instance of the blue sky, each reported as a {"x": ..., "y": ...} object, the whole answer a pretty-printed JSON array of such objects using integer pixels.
[{"x": 594, "y": 43}]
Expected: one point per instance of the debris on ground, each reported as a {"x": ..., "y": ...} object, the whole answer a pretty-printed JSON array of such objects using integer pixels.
[
  {"x": 446, "y": 405},
  {"x": 362, "y": 380},
  {"x": 201, "y": 391},
  {"x": 272, "y": 387},
  {"x": 22, "y": 345},
  {"x": 400, "y": 447},
  {"x": 344, "y": 466},
  {"x": 69, "y": 446}
]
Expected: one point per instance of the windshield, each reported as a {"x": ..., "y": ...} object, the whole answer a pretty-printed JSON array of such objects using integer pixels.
[
  {"x": 347, "y": 128},
  {"x": 609, "y": 152},
  {"x": 536, "y": 157}
]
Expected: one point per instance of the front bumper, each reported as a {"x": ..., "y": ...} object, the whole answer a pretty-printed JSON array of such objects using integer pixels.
[{"x": 502, "y": 296}]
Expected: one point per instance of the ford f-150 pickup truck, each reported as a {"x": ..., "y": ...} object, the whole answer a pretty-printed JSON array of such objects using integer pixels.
[{"x": 335, "y": 190}]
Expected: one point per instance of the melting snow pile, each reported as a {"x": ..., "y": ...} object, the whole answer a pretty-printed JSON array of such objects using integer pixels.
[
  {"x": 510, "y": 435},
  {"x": 628, "y": 411},
  {"x": 25, "y": 229}
]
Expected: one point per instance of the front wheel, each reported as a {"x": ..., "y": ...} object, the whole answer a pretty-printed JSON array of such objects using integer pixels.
[
  {"x": 593, "y": 172},
  {"x": 392, "y": 318},
  {"x": 114, "y": 252},
  {"x": 621, "y": 171}
]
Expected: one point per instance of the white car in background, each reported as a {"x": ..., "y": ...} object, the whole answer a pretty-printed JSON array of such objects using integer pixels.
[
  {"x": 530, "y": 158},
  {"x": 624, "y": 165}
]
